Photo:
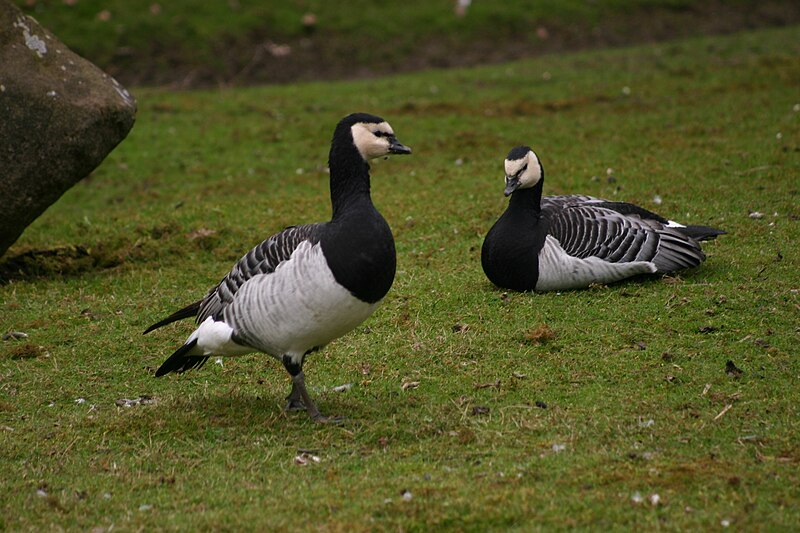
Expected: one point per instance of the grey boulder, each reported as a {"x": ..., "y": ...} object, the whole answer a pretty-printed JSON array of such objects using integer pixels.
[{"x": 60, "y": 116}]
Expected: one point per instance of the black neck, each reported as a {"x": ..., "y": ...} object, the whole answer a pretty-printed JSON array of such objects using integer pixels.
[
  {"x": 349, "y": 178},
  {"x": 528, "y": 199}
]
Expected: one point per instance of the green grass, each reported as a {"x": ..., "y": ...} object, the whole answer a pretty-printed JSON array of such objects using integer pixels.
[{"x": 634, "y": 382}]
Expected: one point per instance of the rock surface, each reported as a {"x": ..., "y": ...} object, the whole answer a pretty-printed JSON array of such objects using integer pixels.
[{"x": 60, "y": 116}]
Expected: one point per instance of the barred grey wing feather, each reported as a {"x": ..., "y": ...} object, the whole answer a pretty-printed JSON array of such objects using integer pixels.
[
  {"x": 262, "y": 259},
  {"x": 589, "y": 229}
]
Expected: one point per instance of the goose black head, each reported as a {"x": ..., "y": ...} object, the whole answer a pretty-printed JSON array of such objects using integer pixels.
[
  {"x": 523, "y": 169},
  {"x": 372, "y": 136}
]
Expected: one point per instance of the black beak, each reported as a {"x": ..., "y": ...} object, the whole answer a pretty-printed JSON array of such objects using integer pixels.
[
  {"x": 512, "y": 183},
  {"x": 395, "y": 147}
]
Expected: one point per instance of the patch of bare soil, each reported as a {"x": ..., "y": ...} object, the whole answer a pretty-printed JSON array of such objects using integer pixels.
[{"x": 328, "y": 56}]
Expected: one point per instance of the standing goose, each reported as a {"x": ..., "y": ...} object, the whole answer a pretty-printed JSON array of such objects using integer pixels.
[
  {"x": 307, "y": 285},
  {"x": 570, "y": 242}
]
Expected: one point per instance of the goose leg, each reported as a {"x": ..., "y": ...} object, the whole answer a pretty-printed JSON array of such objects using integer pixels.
[
  {"x": 300, "y": 393},
  {"x": 295, "y": 399}
]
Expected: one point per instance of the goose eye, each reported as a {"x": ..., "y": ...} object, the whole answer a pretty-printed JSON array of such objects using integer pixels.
[
  {"x": 523, "y": 169},
  {"x": 378, "y": 133}
]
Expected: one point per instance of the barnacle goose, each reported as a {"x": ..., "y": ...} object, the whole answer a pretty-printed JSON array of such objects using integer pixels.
[
  {"x": 569, "y": 242},
  {"x": 307, "y": 285}
]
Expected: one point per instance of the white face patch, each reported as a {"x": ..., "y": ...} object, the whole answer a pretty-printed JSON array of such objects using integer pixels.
[
  {"x": 371, "y": 140},
  {"x": 527, "y": 170}
]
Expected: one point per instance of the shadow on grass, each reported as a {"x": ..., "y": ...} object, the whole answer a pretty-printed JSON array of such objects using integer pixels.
[
  {"x": 265, "y": 409},
  {"x": 144, "y": 245},
  {"x": 60, "y": 261}
]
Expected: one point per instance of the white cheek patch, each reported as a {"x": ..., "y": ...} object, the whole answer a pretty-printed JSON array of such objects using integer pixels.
[
  {"x": 512, "y": 167},
  {"x": 533, "y": 174},
  {"x": 368, "y": 145}
]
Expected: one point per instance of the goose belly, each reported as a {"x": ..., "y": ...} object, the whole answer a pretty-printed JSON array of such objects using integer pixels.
[
  {"x": 560, "y": 271},
  {"x": 298, "y": 307}
]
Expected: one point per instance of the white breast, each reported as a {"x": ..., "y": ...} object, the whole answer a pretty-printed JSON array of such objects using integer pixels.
[
  {"x": 298, "y": 307},
  {"x": 560, "y": 271}
]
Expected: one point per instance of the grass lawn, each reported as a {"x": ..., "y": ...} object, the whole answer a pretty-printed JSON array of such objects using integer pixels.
[{"x": 627, "y": 416}]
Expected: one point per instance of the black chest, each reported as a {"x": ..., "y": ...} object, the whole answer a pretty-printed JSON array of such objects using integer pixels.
[
  {"x": 510, "y": 252},
  {"x": 360, "y": 252}
]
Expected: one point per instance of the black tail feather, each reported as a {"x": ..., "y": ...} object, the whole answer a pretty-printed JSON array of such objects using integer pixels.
[
  {"x": 675, "y": 252},
  {"x": 701, "y": 233},
  {"x": 180, "y": 362},
  {"x": 188, "y": 311}
]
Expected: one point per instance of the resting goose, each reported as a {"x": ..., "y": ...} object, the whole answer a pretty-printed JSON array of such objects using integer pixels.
[
  {"x": 573, "y": 241},
  {"x": 307, "y": 285}
]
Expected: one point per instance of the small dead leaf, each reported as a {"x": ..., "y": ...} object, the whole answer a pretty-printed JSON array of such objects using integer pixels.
[
  {"x": 495, "y": 384},
  {"x": 460, "y": 328},
  {"x": 708, "y": 329},
  {"x": 201, "y": 233},
  {"x": 639, "y": 345},
  {"x": 540, "y": 404},
  {"x": 540, "y": 334},
  {"x": 409, "y": 385},
  {"x": 761, "y": 343},
  {"x": 15, "y": 335},
  {"x": 480, "y": 410},
  {"x": 519, "y": 375}
]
